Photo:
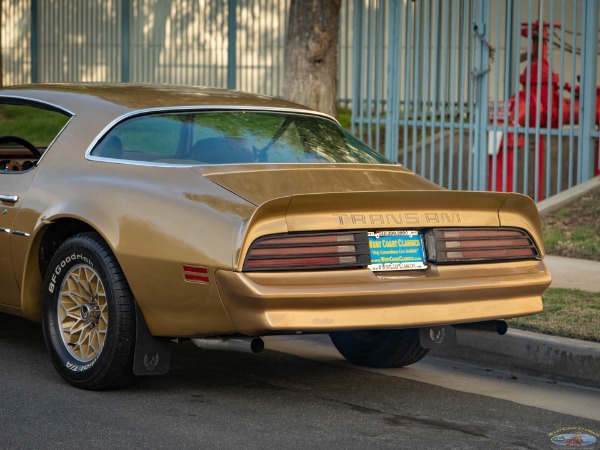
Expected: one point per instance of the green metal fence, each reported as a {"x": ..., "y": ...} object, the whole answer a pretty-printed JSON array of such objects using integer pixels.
[
  {"x": 467, "y": 99},
  {"x": 428, "y": 82}
]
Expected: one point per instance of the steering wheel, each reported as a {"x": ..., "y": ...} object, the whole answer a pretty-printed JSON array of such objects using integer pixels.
[{"x": 24, "y": 143}]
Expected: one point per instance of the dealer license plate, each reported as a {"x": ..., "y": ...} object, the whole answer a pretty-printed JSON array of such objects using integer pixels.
[{"x": 396, "y": 250}]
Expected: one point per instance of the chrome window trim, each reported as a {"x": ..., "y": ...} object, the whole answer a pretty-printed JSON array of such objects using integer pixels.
[
  {"x": 35, "y": 100},
  {"x": 201, "y": 108},
  {"x": 43, "y": 102}
]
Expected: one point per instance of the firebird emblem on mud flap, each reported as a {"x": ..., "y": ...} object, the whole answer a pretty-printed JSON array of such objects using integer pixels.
[
  {"x": 151, "y": 363},
  {"x": 437, "y": 337}
]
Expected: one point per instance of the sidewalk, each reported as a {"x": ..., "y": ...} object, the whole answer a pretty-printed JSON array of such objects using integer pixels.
[
  {"x": 573, "y": 273},
  {"x": 569, "y": 272},
  {"x": 568, "y": 359}
]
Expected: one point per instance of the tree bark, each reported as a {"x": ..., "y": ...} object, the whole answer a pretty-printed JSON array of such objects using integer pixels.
[
  {"x": 2, "y": 111},
  {"x": 1, "y": 29},
  {"x": 311, "y": 54}
]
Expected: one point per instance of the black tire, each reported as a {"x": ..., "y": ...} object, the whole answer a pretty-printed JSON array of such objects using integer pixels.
[
  {"x": 380, "y": 348},
  {"x": 87, "y": 299}
]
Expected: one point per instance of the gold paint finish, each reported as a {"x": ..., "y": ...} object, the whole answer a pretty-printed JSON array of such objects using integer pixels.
[
  {"x": 264, "y": 303},
  {"x": 519, "y": 211},
  {"x": 157, "y": 218},
  {"x": 260, "y": 184},
  {"x": 373, "y": 211}
]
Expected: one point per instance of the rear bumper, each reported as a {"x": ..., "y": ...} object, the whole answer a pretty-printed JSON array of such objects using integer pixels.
[{"x": 289, "y": 302}]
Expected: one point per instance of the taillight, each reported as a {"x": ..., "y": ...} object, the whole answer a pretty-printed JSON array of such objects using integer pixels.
[
  {"x": 479, "y": 244},
  {"x": 308, "y": 251}
]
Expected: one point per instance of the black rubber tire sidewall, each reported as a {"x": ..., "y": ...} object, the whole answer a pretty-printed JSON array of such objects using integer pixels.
[
  {"x": 114, "y": 366},
  {"x": 380, "y": 348}
]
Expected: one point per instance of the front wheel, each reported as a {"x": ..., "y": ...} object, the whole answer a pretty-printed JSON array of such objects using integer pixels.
[
  {"x": 380, "y": 348},
  {"x": 89, "y": 315}
]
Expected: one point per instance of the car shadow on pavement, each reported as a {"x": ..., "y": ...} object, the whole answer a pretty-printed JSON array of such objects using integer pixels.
[{"x": 26, "y": 332}]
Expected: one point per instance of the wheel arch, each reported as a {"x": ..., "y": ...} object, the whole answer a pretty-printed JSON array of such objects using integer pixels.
[{"x": 46, "y": 241}]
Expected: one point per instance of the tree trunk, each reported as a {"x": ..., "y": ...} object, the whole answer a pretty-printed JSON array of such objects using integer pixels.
[
  {"x": 2, "y": 111},
  {"x": 1, "y": 29},
  {"x": 310, "y": 71}
]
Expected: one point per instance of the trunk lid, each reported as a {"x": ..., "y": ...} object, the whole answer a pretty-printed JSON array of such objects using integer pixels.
[{"x": 267, "y": 183}]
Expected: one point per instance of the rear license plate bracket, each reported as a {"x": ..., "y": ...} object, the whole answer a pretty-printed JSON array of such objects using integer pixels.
[{"x": 396, "y": 250}]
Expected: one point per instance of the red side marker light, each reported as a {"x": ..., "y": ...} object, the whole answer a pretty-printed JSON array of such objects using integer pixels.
[{"x": 195, "y": 274}]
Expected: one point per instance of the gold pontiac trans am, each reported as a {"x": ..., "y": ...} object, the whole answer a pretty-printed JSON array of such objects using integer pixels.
[{"x": 132, "y": 216}]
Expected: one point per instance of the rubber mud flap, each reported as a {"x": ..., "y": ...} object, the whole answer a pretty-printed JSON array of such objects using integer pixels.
[
  {"x": 152, "y": 354},
  {"x": 437, "y": 337}
]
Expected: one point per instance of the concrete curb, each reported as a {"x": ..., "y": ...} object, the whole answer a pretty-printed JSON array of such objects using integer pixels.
[
  {"x": 561, "y": 199},
  {"x": 569, "y": 359}
]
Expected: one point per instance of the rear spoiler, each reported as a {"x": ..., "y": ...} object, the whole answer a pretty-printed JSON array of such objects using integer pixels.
[{"x": 392, "y": 210}]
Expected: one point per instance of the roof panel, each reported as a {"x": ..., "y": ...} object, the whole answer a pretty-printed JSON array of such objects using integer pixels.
[{"x": 116, "y": 99}]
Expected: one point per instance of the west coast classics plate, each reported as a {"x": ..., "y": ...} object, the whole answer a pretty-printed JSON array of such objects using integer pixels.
[{"x": 396, "y": 250}]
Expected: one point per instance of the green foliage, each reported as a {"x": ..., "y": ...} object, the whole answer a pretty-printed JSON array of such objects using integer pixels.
[
  {"x": 38, "y": 126},
  {"x": 568, "y": 313},
  {"x": 344, "y": 116},
  {"x": 552, "y": 237}
]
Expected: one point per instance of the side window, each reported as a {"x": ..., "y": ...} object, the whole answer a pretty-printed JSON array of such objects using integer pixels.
[
  {"x": 145, "y": 138},
  {"x": 25, "y": 134}
]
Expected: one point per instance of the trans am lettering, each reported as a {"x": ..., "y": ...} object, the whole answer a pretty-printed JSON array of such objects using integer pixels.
[
  {"x": 59, "y": 268},
  {"x": 407, "y": 218}
]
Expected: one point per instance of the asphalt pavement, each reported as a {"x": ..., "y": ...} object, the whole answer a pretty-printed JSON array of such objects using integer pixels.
[
  {"x": 301, "y": 396},
  {"x": 567, "y": 359}
]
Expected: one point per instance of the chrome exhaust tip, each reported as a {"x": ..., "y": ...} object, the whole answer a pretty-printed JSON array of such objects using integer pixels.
[
  {"x": 493, "y": 326},
  {"x": 236, "y": 344}
]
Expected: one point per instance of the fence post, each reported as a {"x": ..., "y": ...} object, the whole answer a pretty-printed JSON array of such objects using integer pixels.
[
  {"x": 393, "y": 78},
  {"x": 357, "y": 51},
  {"x": 589, "y": 58},
  {"x": 511, "y": 50},
  {"x": 34, "y": 42},
  {"x": 125, "y": 40},
  {"x": 480, "y": 75},
  {"x": 231, "y": 43}
]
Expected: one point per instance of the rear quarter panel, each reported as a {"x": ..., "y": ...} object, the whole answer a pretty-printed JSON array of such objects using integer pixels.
[{"x": 155, "y": 219}]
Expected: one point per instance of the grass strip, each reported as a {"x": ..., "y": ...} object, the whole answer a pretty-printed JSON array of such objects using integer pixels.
[
  {"x": 567, "y": 313},
  {"x": 574, "y": 230}
]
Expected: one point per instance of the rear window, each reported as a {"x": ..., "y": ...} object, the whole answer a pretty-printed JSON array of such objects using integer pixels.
[{"x": 233, "y": 137}]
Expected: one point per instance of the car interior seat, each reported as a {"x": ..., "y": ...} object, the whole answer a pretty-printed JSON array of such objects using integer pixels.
[
  {"x": 222, "y": 150},
  {"x": 111, "y": 148}
]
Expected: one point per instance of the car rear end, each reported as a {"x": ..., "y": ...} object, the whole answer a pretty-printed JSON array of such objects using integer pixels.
[{"x": 394, "y": 259}]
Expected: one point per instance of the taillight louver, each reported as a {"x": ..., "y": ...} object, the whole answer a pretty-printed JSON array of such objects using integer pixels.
[
  {"x": 479, "y": 244},
  {"x": 308, "y": 251}
]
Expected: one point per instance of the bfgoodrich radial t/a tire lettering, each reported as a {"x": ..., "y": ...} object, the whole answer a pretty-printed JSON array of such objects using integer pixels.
[
  {"x": 89, "y": 315},
  {"x": 380, "y": 348}
]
